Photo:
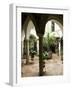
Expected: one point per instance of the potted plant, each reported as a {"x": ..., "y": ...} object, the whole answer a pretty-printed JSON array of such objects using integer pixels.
[
  {"x": 47, "y": 55},
  {"x": 32, "y": 53}
]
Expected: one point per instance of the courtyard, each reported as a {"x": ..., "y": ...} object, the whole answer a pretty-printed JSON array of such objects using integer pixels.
[
  {"x": 53, "y": 67},
  {"x": 41, "y": 44}
]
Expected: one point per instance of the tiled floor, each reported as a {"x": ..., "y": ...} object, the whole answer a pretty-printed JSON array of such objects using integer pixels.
[{"x": 53, "y": 66}]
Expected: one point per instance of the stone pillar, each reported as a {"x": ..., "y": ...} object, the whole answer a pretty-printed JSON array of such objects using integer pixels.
[
  {"x": 40, "y": 55},
  {"x": 27, "y": 51},
  {"x": 38, "y": 47},
  {"x": 26, "y": 48}
]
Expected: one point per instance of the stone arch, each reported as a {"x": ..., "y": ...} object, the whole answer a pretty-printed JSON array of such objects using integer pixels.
[
  {"x": 24, "y": 30},
  {"x": 58, "y": 19},
  {"x": 58, "y": 23},
  {"x": 28, "y": 24},
  {"x": 28, "y": 19}
]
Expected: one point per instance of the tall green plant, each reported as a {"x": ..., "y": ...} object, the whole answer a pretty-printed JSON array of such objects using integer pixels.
[{"x": 49, "y": 41}]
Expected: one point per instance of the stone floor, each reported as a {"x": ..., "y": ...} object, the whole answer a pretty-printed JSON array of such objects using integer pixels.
[{"x": 53, "y": 67}]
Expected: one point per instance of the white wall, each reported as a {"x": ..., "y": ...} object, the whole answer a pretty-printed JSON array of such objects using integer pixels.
[{"x": 4, "y": 42}]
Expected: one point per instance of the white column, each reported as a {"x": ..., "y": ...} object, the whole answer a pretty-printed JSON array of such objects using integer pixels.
[{"x": 38, "y": 46}]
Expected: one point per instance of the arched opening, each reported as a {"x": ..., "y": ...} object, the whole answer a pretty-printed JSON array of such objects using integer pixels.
[
  {"x": 53, "y": 30},
  {"x": 30, "y": 50},
  {"x": 27, "y": 26},
  {"x": 53, "y": 47}
]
